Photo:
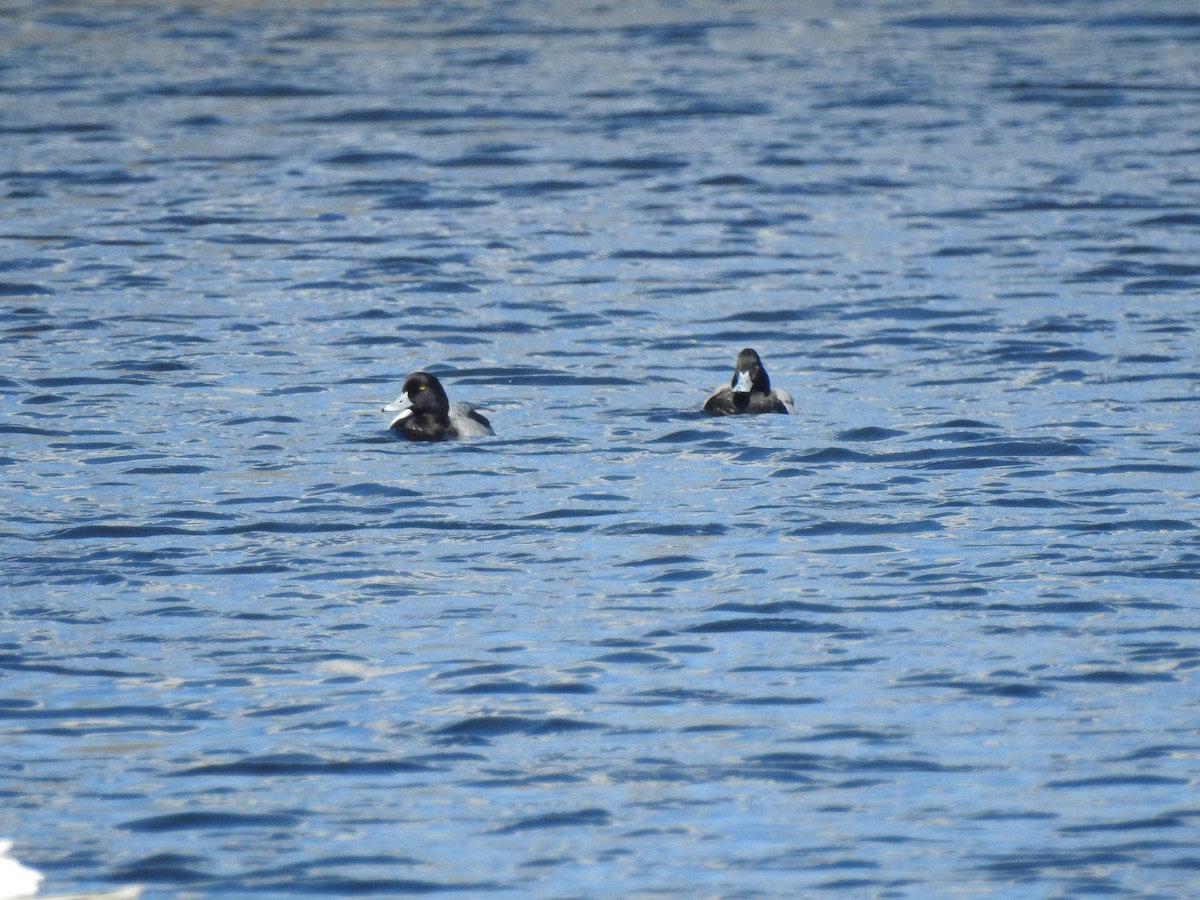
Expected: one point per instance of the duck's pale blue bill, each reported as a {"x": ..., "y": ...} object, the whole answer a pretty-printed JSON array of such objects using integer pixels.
[{"x": 402, "y": 407}]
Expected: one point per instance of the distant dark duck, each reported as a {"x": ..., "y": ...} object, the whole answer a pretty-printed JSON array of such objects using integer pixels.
[
  {"x": 425, "y": 413},
  {"x": 749, "y": 391}
]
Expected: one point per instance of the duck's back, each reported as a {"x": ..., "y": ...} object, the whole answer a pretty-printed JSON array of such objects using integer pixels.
[
  {"x": 721, "y": 403},
  {"x": 466, "y": 421},
  {"x": 727, "y": 402}
]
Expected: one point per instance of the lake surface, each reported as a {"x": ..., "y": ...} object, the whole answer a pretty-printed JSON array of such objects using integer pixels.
[{"x": 934, "y": 635}]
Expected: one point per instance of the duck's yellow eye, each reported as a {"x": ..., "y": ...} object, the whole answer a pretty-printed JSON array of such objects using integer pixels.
[{"x": 421, "y": 388}]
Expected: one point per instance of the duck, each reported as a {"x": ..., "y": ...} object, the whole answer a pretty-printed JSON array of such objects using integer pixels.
[
  {"x": 423, "y": 412},
  {"x": 749, "y": 391}
]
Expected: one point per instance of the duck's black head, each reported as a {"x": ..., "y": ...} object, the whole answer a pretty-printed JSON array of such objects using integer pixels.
[
  {"x": 422, "y": 409},
  {"x": 749, "y": 374}
]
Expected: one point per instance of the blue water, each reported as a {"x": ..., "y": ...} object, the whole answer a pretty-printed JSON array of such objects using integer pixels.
[{"x": 935, "y": 635}]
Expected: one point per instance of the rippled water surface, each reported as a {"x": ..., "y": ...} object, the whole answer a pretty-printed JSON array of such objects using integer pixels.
[{"x": 934, "y": 635}]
